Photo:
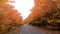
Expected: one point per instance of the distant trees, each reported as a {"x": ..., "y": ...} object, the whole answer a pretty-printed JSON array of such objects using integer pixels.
[{"x": 9, "y": 17}]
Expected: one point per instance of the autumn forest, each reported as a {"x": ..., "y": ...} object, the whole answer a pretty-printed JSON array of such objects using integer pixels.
[{"x": 45, "y": 13}]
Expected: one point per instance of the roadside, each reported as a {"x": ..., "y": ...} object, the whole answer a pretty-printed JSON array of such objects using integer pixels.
[
  {"x": 46, "y": 31},
  {"x": 16, "y": 31}
]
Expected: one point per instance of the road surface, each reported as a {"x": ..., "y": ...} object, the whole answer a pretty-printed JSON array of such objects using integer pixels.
[{"x": 31, "y": 30}]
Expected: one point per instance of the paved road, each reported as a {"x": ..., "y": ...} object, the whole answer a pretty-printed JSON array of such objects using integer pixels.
[{"x": 31, "y": 30}]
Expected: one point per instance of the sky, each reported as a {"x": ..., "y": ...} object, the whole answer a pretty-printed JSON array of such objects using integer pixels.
[{"x": 23, "y": 6}]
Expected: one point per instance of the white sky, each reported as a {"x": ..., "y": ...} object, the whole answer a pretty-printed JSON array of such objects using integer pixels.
[{"x": 23, "y": 6}]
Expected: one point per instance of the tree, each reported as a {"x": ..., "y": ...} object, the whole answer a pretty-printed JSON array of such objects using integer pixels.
[
  {"x": 46, "y": 13},
  {"x": 9, "y": 18}
]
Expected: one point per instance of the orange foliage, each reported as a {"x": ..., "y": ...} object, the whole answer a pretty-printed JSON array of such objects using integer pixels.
[
  {"x": 41, "y": 7},
  {"x": 9, "y": 17}
]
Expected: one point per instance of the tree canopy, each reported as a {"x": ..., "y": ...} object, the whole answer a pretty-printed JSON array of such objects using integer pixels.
[
  {"x": 9, "y": 17},
  {"x": 45, "y": 13}
]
